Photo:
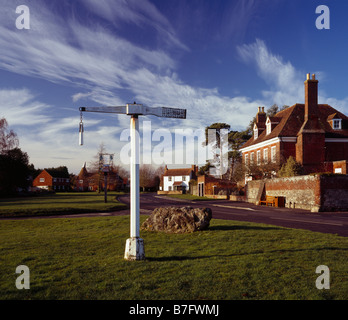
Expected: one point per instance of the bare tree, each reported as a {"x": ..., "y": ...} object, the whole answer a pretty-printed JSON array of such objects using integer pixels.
[
  {"x": 8, "y": 138},
  {"x": 149, "y": 177},
  {"x": 121, "y": 171},
  {"x": 96, "y": 166}
]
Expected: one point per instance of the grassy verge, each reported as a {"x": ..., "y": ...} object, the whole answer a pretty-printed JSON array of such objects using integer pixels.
[
  {"x": 188, "y": 197},
  {"x": 83, "y": 259},
  {"x": 59, "y": 203}
]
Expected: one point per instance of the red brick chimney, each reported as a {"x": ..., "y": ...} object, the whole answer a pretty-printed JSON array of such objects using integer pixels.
[
  {"x": 310, "y": 145},
  {"x": 261, "y": 115},
  {"x": 311, "y": 97}
]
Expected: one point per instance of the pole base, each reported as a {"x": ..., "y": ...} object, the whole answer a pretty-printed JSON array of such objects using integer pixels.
[{"x": 134, "y": 249}]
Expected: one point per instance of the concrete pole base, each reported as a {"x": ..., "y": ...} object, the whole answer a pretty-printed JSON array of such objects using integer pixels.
[{"x": 134, "y": 249}]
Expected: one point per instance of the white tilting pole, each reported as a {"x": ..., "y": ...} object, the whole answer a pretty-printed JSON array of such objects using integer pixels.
[{"x": 134, "y": 245}]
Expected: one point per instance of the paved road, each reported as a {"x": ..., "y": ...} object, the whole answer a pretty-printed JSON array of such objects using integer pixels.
[{"x": 326, "y": 222}]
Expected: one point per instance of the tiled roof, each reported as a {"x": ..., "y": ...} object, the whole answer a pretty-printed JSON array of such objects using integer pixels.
[
  {"x": 333, "y": 116},
  {"x": 291, "y": 120},
  {"x": 57, "y": 173},
  {"x": 83, "y": 173},
  {"x": 178, "y": 172}
]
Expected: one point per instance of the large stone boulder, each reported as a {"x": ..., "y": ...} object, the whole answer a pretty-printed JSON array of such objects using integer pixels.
[{"x": 178, "y": 220}]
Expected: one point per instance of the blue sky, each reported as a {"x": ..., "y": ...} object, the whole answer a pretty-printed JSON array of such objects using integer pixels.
[{"x": 218, "y": 59}]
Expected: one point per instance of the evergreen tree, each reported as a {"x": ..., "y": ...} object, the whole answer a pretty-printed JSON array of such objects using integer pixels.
[
  {"x": 14, "y": 171},
  {"x": 14, "y": 163},
  {"x": 291, "y": 168}
]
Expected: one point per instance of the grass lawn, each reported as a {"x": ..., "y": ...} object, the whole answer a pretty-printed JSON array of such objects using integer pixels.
[
  {"x": 82, "y": 258},
  {"x": 59, "y": 203},
  {"x": 188, "y": 196}
]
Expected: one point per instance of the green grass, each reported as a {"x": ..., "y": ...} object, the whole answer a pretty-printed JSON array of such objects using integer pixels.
[
  {"x": 59, "y": 203},
  {"x": 82, "y": 258},
  {"x": 188, "y": 197}
]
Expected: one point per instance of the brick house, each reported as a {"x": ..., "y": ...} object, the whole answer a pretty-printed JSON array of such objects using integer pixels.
[
  {"x": 209, "y": 185},
  {"x": 178, "y": 179},
  {"x": 89, "y": 181},
  {"x": 52, "y": 180},
  {"x": 316, "y": 135},
  {"x": 82, "y": 179}
]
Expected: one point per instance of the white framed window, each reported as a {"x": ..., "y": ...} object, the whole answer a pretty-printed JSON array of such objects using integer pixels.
[
  {"x": 252, "y": 158},
  {"x": 274, "y": 154},
  {"x": 258, "y": 157},
  {"x": 169, "y": 178},
  {"x": 42, "y": 179},
  {"x": 265, "y": 155},
  {"x": 183, "y": 178},
  {"x": 337, "y": 124},
  {"x": 246, "y": 159}
]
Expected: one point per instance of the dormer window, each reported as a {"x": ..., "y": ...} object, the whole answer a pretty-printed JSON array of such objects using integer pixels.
[
  {"x": 337, "y": 124},
  {"x": 271, "y": 123},
  {"x": 256, "y": 132},
  {"x": 268, "y": 126},
  {"x": 335, "y": 121}
]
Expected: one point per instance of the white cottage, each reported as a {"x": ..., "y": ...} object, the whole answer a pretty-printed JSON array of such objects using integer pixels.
[{"x": 178, "y": 179}]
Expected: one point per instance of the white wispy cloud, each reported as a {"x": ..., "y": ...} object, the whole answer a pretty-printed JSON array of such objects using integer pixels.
[
  {"x": 104, "y": 67},
  {"x": 104, "y": 64},
  {"x": 140, "y": 13},
  {"x": 100, "y": 65},
  {"x": 283, "y": 78},
  {"x": 47, "y": 139},
  {"x": 20, "y": 108},
  {"x": 68, "y": 51}
]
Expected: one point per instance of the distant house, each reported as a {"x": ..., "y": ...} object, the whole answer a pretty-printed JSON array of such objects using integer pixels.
[
  {"x": 316, "y": 135},
  {"x": 178, "y": 179},
  {"x": 208, "y": 185},
  {"x": 82, "y": 179},
  {"x": 52, "y": 180},
  {"x": 92, "y": 181}
]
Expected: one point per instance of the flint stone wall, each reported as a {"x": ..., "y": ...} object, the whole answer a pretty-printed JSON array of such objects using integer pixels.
[{"x": 310, "y": 192}]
